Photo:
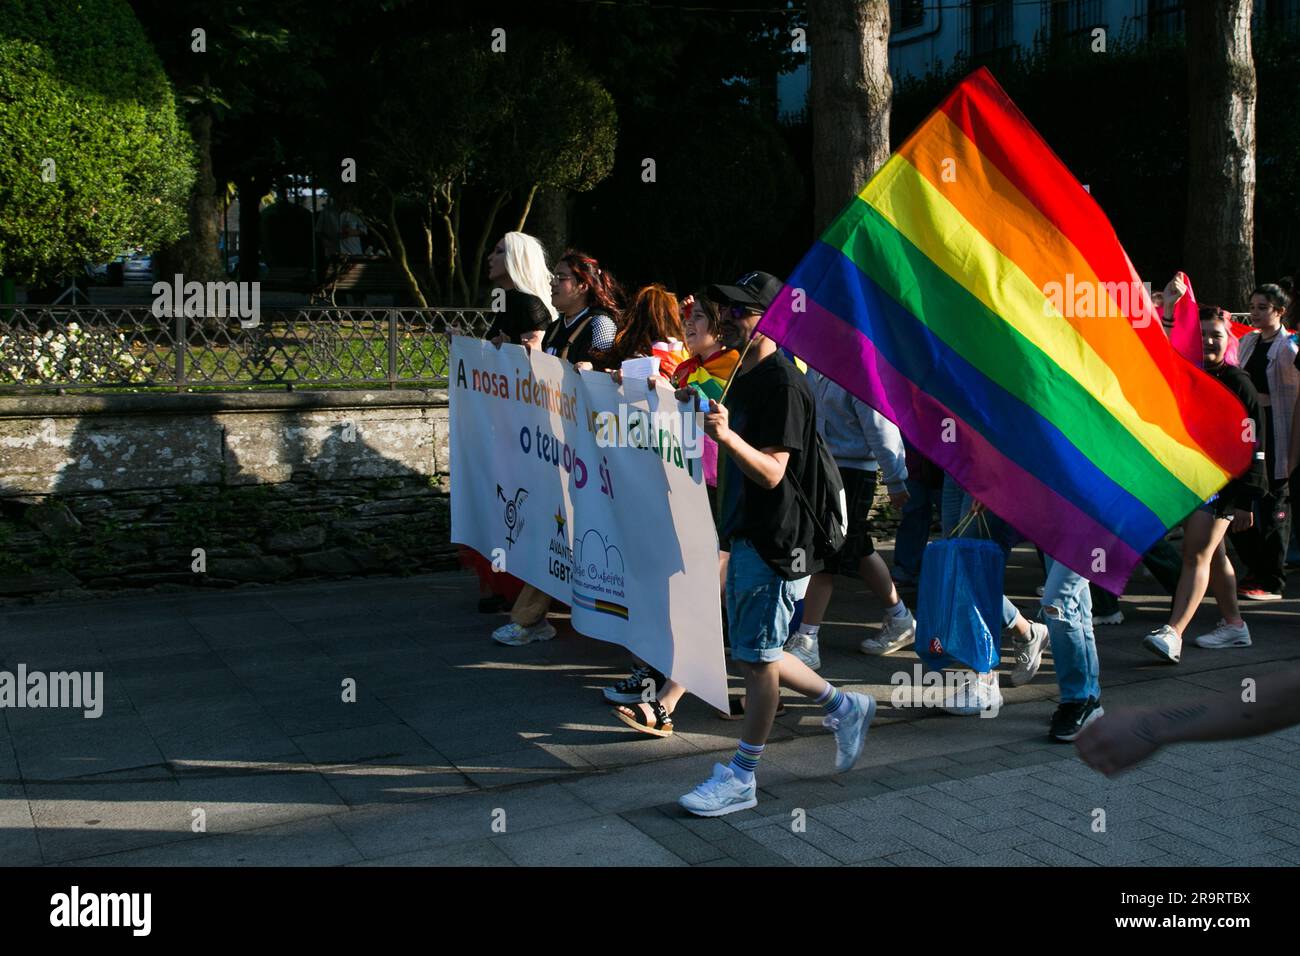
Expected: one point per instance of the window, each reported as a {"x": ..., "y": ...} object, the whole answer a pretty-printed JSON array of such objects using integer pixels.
[
  {"x": 1164, "y": 18},
  {"x": 989, "y": 28},
  {"x": 906, "y": 15}
]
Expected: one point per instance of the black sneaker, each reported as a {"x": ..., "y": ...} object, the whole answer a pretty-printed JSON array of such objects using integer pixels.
[
  {"x": 1070, "y": 719},
  {"x": 630, "y": 689}
]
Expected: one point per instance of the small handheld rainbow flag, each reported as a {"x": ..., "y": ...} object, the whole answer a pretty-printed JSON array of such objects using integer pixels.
[
  {"x": 976, "y": 295},
  {"x": 709, "y": 376}
]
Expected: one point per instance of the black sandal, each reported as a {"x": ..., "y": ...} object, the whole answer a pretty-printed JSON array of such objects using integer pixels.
[
  {"x": 738, "y": 709},
  {"x": 634, "y": 717}
]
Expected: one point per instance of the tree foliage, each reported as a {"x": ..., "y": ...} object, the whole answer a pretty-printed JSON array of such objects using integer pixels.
[
  {"x": 456, "y": 127},
  {"x": 80, "y": 85}
]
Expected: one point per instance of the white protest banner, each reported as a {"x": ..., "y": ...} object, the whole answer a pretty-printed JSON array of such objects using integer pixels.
[{"x": 595, "y": 494}]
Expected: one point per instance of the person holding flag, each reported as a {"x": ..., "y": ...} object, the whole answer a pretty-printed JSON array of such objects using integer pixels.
[
  {"x": 937, "y": 297},
  {"x": 766, "y": 432}
]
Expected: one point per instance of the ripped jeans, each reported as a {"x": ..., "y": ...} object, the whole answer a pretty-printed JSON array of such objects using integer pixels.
[{"x": 1074, "y": 649}]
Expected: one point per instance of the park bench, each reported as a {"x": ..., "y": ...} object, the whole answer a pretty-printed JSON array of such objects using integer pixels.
[{"x": 358, "y": 278}]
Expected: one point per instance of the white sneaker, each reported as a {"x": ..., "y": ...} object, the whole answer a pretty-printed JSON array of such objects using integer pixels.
[
  {"x": 1029, "y": 654},
  {"x": 804, "y": 647},
  {"x": 895, "y": 634},
  {"x": 851, "y": 730},
  {"x": 975, "y": 697},
  {"x": 1100, "y": 620},
  {"x": 1164, "y": 643},
  {"x": 721, "y": 794},
  {"x": 517, "y": 635},
  {"x": 1225, "y": 635}
]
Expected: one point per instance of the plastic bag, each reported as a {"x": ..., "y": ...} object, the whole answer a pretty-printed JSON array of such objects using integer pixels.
[{"x": 959, "y": 604}]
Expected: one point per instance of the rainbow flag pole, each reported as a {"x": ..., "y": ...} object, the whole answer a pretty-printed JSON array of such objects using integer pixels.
[{"x": 976, "y": 295}]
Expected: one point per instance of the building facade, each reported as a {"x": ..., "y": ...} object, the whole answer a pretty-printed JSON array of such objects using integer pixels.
[{"x": 929, "y": 35}]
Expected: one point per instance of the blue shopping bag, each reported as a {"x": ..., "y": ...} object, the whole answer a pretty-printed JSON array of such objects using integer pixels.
[{"x": 959, "y": 603}]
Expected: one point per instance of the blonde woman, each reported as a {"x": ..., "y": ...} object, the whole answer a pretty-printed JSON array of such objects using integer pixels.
[{"x": 519, "y": 262}]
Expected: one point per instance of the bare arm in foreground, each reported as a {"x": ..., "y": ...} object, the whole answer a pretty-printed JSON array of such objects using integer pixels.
[{"x": 1125, "y": 737}]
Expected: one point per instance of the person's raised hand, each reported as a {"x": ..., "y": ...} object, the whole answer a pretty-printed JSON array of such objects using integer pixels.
[{"x": 1174, "y": 291}]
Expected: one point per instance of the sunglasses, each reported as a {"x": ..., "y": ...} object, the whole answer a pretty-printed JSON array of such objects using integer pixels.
[{"x": 740, "y": 311}]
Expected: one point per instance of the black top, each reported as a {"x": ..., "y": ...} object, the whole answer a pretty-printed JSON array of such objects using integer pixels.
[
  {"x": 1241, "y": 492},
  {"x": 771, "y": 406},
  {"x": 523, "y": 313},
  {"x": 1257, "y": 365},
  {"x": 594, "y": 336}
]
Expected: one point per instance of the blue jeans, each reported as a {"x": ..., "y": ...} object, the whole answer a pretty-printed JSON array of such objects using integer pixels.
[
  {"x": 1078, "y": 675},
  {"x": 760, "y": 605},
  {"x": 913, "y": 532}
]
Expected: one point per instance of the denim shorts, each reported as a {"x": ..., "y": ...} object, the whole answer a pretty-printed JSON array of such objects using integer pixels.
[
  {"x": 760, "y": 605},
  {"x": 1216, "y": 506}
]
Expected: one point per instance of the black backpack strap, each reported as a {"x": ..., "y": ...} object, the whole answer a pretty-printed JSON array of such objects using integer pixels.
[{"x": 573, "y": 335}]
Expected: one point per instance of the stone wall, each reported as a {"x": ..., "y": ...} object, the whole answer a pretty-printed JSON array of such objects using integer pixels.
[{"x": 217, "y": 490}]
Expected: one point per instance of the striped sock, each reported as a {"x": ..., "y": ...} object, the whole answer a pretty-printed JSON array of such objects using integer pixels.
[
  {"x": 832, "y": 700},
  {"x": 745, "y": 762}
]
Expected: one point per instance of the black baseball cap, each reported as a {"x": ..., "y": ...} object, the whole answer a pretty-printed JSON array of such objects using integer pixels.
[{"x": 753, "y": 290}]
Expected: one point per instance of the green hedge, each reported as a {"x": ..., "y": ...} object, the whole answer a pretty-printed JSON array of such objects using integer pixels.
[{"x": 81, "y": 85}]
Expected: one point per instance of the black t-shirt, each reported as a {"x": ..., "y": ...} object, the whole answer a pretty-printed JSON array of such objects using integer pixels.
[
  {"x": 523, "y": 313},
  {"x": 771, "y": 406},
  {"x": 1240, "y": 492}
]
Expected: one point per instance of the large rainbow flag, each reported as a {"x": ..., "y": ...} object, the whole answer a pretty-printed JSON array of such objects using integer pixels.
[{"x": 975, "y": 294}]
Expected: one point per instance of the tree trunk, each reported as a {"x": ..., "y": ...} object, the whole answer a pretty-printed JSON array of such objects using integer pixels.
[
  {"x": 528, "y": 205},
  {"x": 399, "y": 256},
  {"x": 251, "y": 190},
  {"x": 426, "y": 221},
  {"x": 850, "y": 97},
  {"x": 549, "y": 220},
  {"x": 1218, "y": 244},
  {"x": 466, "y": 298},
  {"x": 488, "y": 224},
  {"x": 195, "y": 255}
]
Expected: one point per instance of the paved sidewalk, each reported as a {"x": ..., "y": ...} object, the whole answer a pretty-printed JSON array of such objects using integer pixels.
[{"x": 227, "y": 709}]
